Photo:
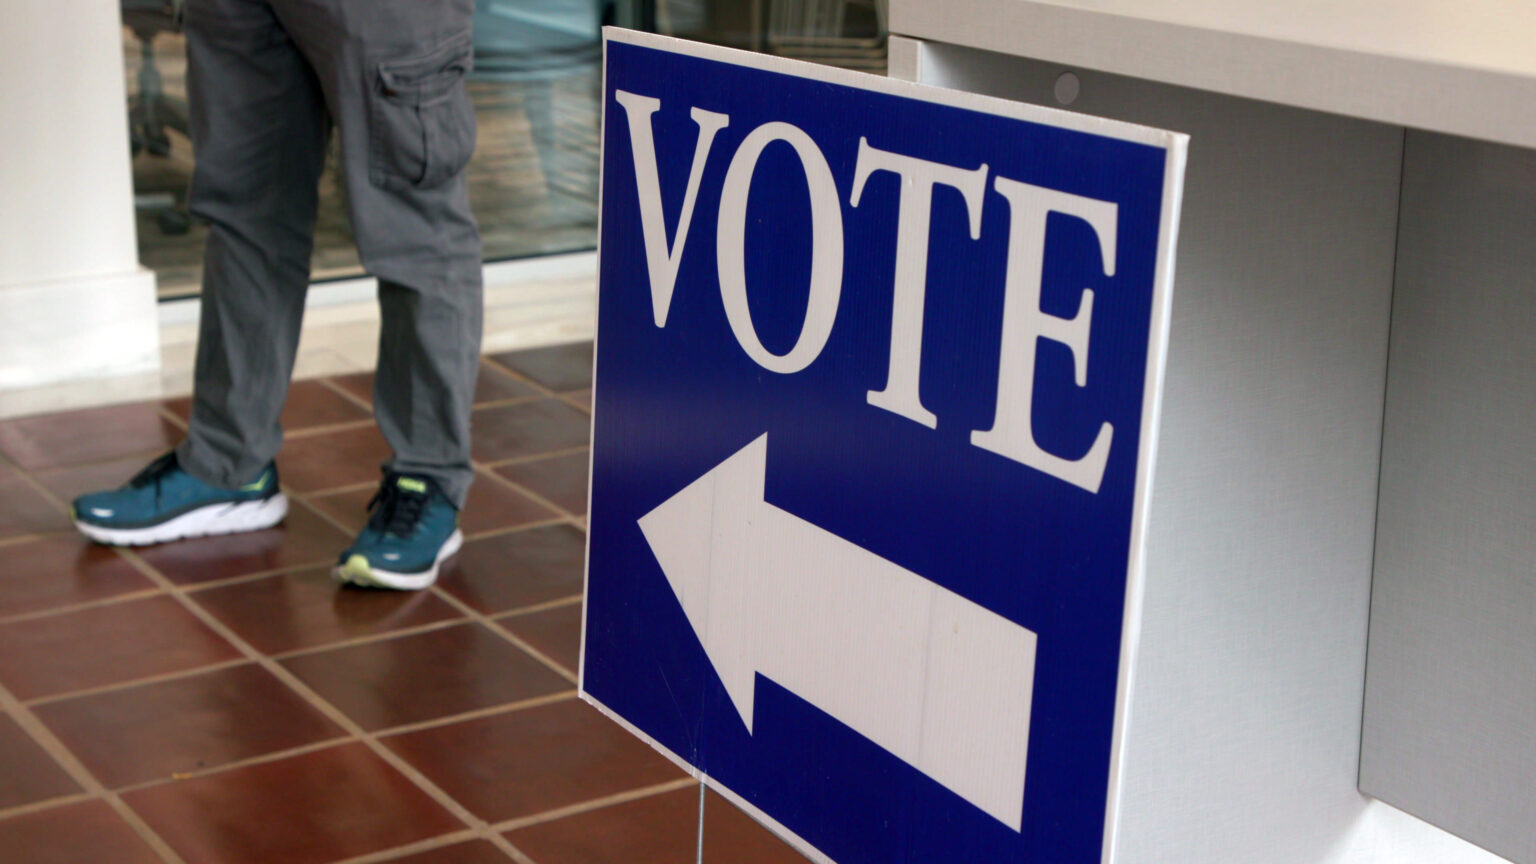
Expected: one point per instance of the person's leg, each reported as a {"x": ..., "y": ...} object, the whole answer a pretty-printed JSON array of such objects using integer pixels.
[
  {"x": 393, "y": 73},
  {"x": 259, "y": 132}
]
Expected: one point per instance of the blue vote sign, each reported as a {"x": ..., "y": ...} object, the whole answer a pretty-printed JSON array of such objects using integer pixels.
[{"x": 874, "y": 413}]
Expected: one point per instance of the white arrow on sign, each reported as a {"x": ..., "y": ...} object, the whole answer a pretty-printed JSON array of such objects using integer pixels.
[{"x": 940, "y": 682}]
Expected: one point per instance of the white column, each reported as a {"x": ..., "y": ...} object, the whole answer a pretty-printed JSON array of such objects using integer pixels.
[{"x": 74, "y": 302}]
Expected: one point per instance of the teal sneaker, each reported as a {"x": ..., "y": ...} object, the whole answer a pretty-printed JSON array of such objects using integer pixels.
[
  {"x": 412, "y": 529},
  {"x": 163, "y": 503}
]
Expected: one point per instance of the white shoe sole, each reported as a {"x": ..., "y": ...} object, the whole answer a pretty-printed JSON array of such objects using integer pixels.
[
  {"x": 227, "y": 518},
  {"x": 357, "y": 571}
]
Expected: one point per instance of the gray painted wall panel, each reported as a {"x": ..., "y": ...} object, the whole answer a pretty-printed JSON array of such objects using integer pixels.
[
  {"x": 1244, "y": 737},
  {"x": 1450, "y": 719}
]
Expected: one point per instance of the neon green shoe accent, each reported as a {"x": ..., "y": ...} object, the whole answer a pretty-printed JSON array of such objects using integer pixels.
[
  {"x": 259, "y": 484},
  {"x": 356, "y": 568},
  {"x": 412, "y": 485}
]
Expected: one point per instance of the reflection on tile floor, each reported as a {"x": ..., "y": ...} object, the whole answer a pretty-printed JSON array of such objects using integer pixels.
[{"x": 221, "y": 700}]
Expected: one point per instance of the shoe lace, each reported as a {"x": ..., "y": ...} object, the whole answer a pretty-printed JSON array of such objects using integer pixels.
[
  {"x": 156, "y": 472},
  {"x": 395, "y": 511}
]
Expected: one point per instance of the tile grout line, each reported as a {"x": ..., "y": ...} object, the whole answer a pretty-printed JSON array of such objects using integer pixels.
[
  {"x": 47, "y": 804},
  {"x": 595, "y": 804},
  {"x": 148, "y": 680},
  {"x": 441, "y": 841},
  {"x": 552, "y": 521},
  {"x": 345, "y": 737},
  {"x": 171, "y": 416},
  {"x": 83, "y": 606},
  {"x": 5, "y": 458},
  {"x": 94, "y": 788},
  {"x": 191, "y": 587},
  {"x": 323, "y": 517},
  {"x": 523, "y": 489},
  {"x": 561, "y": 518},
  {"x": 342, "y": 737},
  {"x": 558, "y": 519},
  {"x": 298, "y": 433},
  {"x": 183, "y": 596},
  {"x": 37, "y": 486},
  {"x": 355, "y": 732},
  {"x": 521, "y": 822},
  {"x": 318, "y": 430},
  {"x": 231, "y": 581},
  {"x": 492, "y": 362},
  {"x": 357, "y": 641},
  {"x": 333, "y": 490},
  {"x": 147, "y": 593},
  {"x": 64, "y": 507},
  {"x": 521, "y": 376},
  {"x": 536, "y": 608},
  {"x": 535, "y": 457},
  {"x": 336, "y": 740},
  {"x": 329, "y": 383},
  {"x": 23, "y": 539},
  {"x": 141, "y": 456},
  {"x": 549, "y": 522},
  {"x": 469, "y": 613},
  {"x": 503, "y": 403},
  {"x": 494, "y": 627},
  {"x": 569, "y": 517},
  {"x": 288, "y": 654},
  {"x": 417, "y": 630},
  {"x": 86, "y": 606},
  {"x": 480, "y": 713},
  {"x": 582, "y": 405},
  {"x": 336, "y": 715}
]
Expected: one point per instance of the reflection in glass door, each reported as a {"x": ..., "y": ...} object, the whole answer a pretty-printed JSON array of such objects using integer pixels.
[
  {"x": 847, "y": 33},
  {"x": 536, "y": 84},
  {"x": 533, "y": 179}
]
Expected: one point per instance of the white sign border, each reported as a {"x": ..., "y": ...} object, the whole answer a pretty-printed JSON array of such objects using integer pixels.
[{"x": 1175, "y": 145}]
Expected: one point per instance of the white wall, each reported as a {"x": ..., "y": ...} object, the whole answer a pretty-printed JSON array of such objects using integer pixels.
[{"x": 74, "y": 302}]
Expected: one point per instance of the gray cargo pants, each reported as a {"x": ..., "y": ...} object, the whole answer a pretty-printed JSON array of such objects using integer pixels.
[{"x": 267, "y": 79}]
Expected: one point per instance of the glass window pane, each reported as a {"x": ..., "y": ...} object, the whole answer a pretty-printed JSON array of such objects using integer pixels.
[
  {"x": 533, "y": 182},
  {"x": 847, "y": 33},
  {"x": 533, "y": 179}
]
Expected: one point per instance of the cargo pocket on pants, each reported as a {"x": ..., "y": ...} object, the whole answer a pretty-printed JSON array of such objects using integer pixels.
[{"x": 422, "y": 122}]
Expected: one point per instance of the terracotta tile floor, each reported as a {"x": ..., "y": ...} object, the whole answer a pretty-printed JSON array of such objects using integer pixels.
[{"x": 220, "y": 700}]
